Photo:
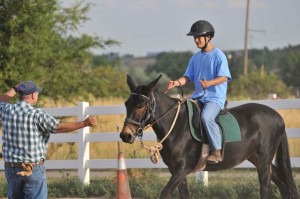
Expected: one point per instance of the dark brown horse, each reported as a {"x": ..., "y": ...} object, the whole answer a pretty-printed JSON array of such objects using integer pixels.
[{"x": 263, "y": 136}]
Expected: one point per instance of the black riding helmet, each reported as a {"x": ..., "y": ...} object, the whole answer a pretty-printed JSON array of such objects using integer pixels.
[{"x": 202, "y": 28}]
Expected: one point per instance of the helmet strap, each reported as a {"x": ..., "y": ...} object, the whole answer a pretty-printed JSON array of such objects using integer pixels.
[{"x": 206, "y": 43}]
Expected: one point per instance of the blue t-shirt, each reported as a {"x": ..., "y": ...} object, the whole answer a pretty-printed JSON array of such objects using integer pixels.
[{"x": 208, "y": 66}]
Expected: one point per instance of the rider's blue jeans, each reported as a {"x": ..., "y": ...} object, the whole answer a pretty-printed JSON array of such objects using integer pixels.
[
  {"x": 26, "y": 187},
  {"x": 208, "y": 116}
]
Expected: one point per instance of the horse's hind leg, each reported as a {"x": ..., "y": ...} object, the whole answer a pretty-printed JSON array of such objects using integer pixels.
[
  {"x": 282, "y": 172},
  {"x": 263, "y": 167},
  {"x": 277, "y": 179},
  {"x": 285, "y": 184}
]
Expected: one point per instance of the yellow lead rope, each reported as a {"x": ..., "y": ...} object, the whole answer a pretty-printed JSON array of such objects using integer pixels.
[{"x": 154, "y": 150}]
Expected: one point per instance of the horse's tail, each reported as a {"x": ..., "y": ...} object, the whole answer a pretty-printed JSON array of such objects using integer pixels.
[{"x": 283, "y": 164}]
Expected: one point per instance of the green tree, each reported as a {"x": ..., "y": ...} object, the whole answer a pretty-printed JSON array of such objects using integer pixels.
[
  {"x": 289, "y": 68},
  {"x": 106, "y": 81},
  {"x": 172, "y": 64},
  {"x": 104, "y": 60},
  {"x": 36, "y": 43},
  {"x": 257, "y": 85},
  {"x": 235, "y": 63}
]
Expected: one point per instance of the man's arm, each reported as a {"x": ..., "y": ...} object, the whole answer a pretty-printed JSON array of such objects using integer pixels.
[
  {"x": 8, "y": 95},
  {"x": 65, "y": 127},
  {"x": 207, "y": 83}
]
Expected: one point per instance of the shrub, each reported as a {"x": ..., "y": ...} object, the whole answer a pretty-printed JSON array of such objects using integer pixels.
[
  {"x": 66, "y": 187},
  {"x": 3, "y": 187}
]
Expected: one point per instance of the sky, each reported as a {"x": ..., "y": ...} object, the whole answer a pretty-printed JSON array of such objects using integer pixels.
[{"x": 153, "y": 26}]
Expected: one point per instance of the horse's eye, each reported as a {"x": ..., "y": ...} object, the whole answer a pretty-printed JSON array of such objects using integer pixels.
[{"x": 140, "y": 105}]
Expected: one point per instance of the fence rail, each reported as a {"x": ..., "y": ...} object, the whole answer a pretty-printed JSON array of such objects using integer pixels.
[{"x": 83, "y": 164}]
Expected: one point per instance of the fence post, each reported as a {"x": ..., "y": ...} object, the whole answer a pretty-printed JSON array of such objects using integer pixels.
[
  {"x": 202, "y": 177},
  {"x": 83, "y": 145}
]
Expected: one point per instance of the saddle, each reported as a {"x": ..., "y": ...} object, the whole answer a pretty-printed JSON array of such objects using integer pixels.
[
  {"x": 197, "y": 130},
  {"x": 228, "y": 125}
]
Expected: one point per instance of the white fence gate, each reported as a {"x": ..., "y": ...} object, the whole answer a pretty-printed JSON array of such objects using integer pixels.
[{"x": 83, "y": 164}]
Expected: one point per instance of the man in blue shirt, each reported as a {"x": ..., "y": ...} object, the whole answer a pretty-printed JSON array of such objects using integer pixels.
[
  {"x": 208, "y": 70},
  {"x": 26, "y": 131}
]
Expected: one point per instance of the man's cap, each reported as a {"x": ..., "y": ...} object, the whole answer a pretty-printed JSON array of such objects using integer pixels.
[{"x": 27, "y": 88}]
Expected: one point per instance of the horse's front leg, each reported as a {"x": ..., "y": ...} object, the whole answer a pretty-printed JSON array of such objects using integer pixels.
[
  {"x": 183, "y": 189},
  {"x": 177, "y": 180}
]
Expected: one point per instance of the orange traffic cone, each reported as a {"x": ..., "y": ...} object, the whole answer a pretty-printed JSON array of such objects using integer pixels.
[{"x": 123, "y": 190}]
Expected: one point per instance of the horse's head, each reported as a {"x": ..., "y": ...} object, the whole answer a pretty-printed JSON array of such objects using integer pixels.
[{"x": 140, "y": 107}]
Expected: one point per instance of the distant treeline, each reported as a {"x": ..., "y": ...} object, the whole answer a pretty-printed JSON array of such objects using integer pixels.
[{"x": 269, "y": 71}]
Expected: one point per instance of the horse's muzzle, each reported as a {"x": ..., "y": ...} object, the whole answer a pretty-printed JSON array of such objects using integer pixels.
[{"x": 127, "y": 137}]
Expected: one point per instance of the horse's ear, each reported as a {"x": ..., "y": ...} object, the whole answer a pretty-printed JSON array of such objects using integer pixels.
[
  {"x": 130, "y": 83},
  {"x": 152, "y": 84}
]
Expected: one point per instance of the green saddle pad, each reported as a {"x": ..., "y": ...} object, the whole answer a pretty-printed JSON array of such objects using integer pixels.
[
  {"x": 229, "y": 126},
  {"x": 195, "y": 134},
  {"x": 227, "y": 123}
]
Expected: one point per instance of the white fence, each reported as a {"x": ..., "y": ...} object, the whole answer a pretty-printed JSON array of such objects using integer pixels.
[{"x": 83, "y": 164}]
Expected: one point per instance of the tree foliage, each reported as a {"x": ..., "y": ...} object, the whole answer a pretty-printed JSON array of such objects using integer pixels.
[
  {"x": 106, "y": 82},
  {"x": 36, "y": 43},
  {"x": 39, "y": 41},
  {"x": 105, "y": 60},
  {"x": 269, "y": 71},
  {"x": 289, "y": 68},
  {"x": 172, "y": 64},
  {"x": 257, "y": 85}
]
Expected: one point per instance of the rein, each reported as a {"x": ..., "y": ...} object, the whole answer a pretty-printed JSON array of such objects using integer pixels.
[
  {"x": 154, "y": 150},
  {"x": 166, "y": 113}
]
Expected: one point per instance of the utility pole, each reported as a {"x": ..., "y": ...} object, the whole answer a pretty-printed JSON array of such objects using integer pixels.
[{"x": 246, "y": 41}]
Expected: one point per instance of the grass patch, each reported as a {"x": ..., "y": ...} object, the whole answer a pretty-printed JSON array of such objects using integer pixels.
[{"x": 148, "y": 183}]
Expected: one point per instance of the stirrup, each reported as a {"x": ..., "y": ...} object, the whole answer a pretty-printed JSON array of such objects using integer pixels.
[{"x": 213, "y": 161}]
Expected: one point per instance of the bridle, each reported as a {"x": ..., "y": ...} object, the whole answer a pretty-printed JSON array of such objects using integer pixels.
[{"x": 148, "y": 113}]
